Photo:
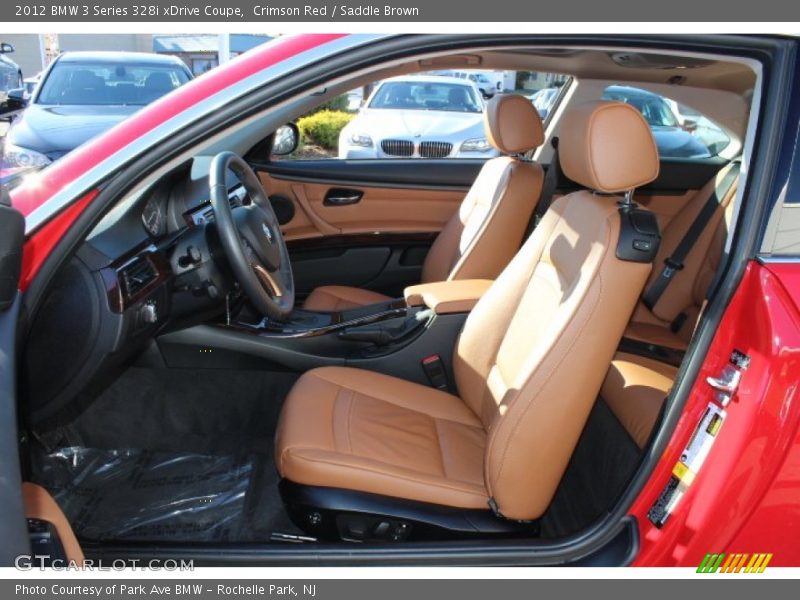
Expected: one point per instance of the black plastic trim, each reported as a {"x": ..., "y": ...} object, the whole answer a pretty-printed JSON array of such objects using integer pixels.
[
  {"x": 13, "y": 528},
  {"x": 425, "y": 521},
  {"x": 447, "y": 174},
  {"x": 620, "y": 548},
  {"x": 669, "y": 356}
]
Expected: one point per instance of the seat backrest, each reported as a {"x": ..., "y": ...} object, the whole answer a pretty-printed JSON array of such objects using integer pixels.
[
  {"x": 687, "y": 289},
  {"x": 486, "y": 232},
  {"x": 534, "y": 351}
]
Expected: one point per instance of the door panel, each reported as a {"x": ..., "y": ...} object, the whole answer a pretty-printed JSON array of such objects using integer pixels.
[
  {"x": 362, "y": 223},
  {"x": 379, "y": 209},
  {"x": 343, "y": 266},
  {"x": 385, "y": 263}
]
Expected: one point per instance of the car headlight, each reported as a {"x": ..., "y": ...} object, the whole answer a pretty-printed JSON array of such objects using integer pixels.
[
  {"x": 361, "y": 139},
  {"x": 17, "y": 156},
  {"x": 476, "y": 145}
]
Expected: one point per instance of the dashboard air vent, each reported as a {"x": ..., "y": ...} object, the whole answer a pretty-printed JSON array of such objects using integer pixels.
[{"x": 136, "y": 276}]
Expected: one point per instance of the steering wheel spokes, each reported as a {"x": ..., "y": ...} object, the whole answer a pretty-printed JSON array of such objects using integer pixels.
[
  {"x": 252, "y": 239},
  {"x": 268, "y": 282}
]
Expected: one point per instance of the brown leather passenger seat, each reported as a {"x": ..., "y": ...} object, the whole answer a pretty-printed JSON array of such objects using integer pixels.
[
  {"x": 528, "y": 364},
  {"x": 487, "y": 230},
  {"x": 636, "y": 386}
]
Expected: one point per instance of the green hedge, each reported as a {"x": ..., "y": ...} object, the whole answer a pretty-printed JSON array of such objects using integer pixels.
[
  {"x": 323, "y": 127},
  {"x": 336, "y": 103}
]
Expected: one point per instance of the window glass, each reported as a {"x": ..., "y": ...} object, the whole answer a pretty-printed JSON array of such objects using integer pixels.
[
  {"x": 432, "y": 115},
  {"x": 426, "y": 95},
  {"x": 201, "y": 65},
  {"x": 79, "y": 83},
  {"x": 679, "y": 131}
]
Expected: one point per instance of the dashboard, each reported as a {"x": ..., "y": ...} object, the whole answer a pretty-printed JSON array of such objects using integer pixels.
[{"x": 153, "y": 263}]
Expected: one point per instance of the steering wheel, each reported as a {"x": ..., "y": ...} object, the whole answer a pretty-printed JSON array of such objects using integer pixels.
[{"x": 252, "y": 239}]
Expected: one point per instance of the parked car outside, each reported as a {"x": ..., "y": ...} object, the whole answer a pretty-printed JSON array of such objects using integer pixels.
[
  {"x": 10, "y": 73},
  {"x": 81, "y": 95},
  {"x": 700, "y": 126},
  {"x": 672, "y": 140},
  {"x": 422, "y": 116},
  {"x": 543, "y": 100}
]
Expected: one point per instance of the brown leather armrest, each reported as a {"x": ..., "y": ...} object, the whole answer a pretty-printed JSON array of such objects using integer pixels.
[
  {"x": 39, "y": 504},
  {"x": 447, "y": 296}
]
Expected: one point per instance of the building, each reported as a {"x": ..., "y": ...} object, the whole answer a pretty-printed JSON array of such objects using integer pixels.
[
  {"x": 33, "y": 52},
  {"x": 200, "y": 52}
]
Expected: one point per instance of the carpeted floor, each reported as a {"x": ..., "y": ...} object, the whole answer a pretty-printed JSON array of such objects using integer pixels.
[
  {"x": 172, "y": 455},
  {"x": 187, "y": 455},
  {"x": 598, "y": 472}
]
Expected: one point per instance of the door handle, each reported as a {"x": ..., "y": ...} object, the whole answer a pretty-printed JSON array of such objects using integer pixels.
[{"x": 342, "y": 197}]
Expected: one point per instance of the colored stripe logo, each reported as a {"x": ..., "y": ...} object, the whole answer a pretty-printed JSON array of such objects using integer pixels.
[{"x": 734, "y": 563}]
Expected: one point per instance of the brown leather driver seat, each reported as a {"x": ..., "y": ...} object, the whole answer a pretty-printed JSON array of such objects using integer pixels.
[
  {"x": 483, "y": 236},
  {"x": 528, "y": 364}
]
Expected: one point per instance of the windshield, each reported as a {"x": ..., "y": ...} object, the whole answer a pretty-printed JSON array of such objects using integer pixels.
[
  {"x": 408, "y": 95},
  {"x": 109, "y": 83}
]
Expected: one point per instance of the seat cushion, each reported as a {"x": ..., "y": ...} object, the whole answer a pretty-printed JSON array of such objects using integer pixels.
[
  {"x": 635, "y": 389},
  {"x": 332, "y": 298},
  {"x": 360, "y": 430}
]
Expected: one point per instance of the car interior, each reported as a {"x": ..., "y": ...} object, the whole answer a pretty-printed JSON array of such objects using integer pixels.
[{"x": 247, "y": 349}]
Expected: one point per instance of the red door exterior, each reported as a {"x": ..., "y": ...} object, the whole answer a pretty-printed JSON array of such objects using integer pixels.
[{"x": 746, "y": 497}]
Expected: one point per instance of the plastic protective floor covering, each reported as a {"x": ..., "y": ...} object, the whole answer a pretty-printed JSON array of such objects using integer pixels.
[{"x": 143, "y": 495}]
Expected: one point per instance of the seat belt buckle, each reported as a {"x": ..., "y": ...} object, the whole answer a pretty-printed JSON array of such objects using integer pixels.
[
  {"x": 670, "y": 268},
  {"x": 434, "y": 371}
]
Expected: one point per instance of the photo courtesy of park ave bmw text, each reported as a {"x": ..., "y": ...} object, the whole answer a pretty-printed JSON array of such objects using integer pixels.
[{"x": 354, "y": 300}]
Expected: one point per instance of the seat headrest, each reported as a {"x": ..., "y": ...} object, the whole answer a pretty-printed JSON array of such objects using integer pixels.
[
  {"x": 85, "y": 79},
  {"x": 158, "y": 81},
  {"x": 607, "y": 147},
  {"x": 512, "y": 124}
]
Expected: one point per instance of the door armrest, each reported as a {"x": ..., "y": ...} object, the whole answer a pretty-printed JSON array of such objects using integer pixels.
[{"x": 445, "y": 297}]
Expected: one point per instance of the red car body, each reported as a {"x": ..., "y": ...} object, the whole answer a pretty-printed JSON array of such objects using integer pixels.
[{"x": 746, "y": 498}]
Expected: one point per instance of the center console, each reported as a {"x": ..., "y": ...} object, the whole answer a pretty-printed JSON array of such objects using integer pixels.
[{"x": 395, "y": 337}]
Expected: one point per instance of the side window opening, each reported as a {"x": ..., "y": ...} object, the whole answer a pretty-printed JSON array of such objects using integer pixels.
[{"x": 433, "y": 115}]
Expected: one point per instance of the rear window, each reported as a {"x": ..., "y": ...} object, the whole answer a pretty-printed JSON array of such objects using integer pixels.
[
  {"x": 105, "y": 83},
  {"x": 679, "y": 131}
]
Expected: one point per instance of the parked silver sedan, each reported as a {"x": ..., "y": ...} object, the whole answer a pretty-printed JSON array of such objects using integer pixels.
[{"x": 419, "y": 117}]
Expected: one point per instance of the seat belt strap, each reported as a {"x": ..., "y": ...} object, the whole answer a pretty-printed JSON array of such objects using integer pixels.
[
  {"x": 674, "y": 262},
  {"x": 549, "y": 185}
]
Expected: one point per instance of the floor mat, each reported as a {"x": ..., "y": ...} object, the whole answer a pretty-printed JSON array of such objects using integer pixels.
[
  {"x": 172, "y": 455},
  {"x": 141, "y": 495},
  {"x": 598, "y": 472},
  {"x": 203, "y": 411}
]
